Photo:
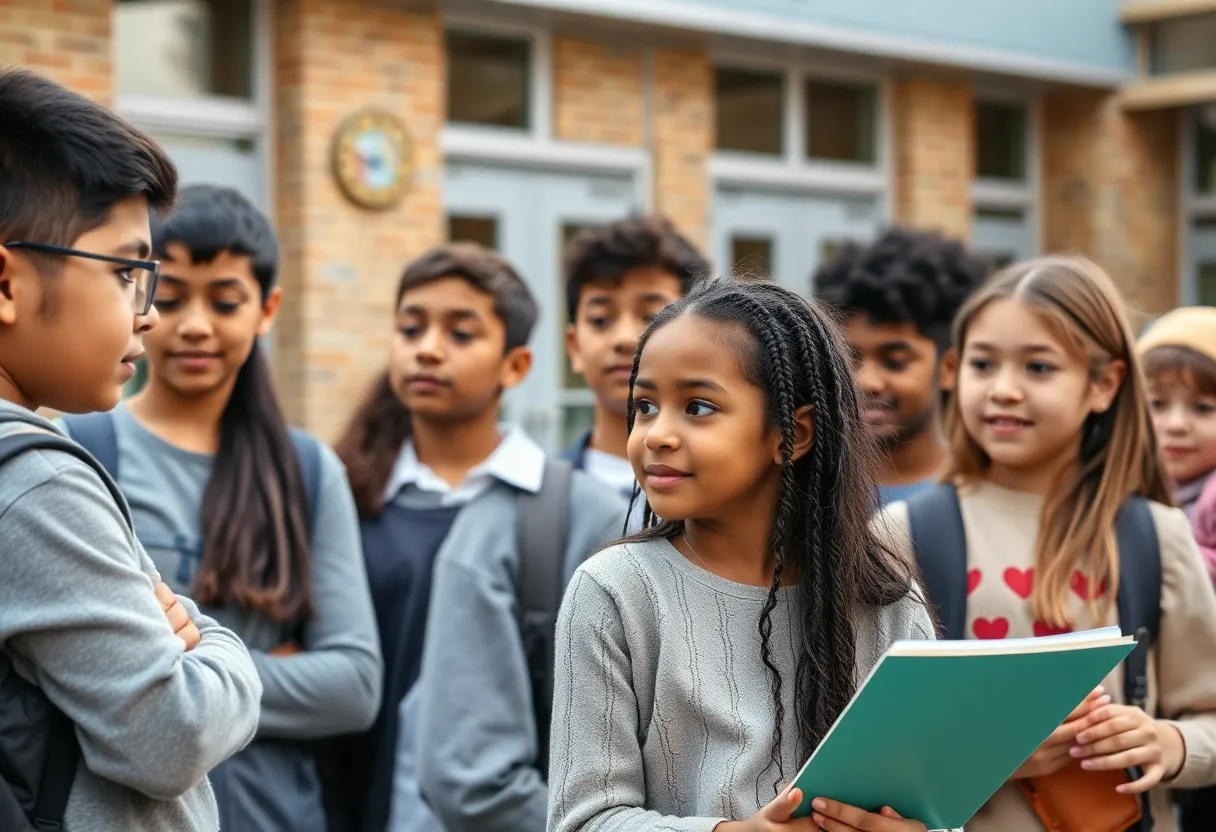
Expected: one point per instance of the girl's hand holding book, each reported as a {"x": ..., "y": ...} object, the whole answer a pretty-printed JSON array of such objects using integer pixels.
[
  {"x": 1053, "y": 754},
  {"x": 777, "y": 816},
  {"x": 837, "y": 817},
  {"x": 1123, "y": 736}
]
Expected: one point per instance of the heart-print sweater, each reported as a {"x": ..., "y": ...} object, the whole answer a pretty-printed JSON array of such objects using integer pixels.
[{"x": 1001, "y": 527}]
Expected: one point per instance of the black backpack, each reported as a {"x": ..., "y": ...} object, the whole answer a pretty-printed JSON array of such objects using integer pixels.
[
  {"x": 39, "y": 752},
  {"x": 935, "y": 523}
]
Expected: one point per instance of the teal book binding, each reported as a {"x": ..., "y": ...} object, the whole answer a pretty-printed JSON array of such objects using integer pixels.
[{"x": 938, "y": 727}]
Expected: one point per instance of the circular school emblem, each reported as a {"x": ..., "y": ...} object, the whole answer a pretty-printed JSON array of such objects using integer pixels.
[{"x": 373, "y": 159}]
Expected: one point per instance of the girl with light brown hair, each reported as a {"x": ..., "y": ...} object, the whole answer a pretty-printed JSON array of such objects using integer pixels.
[{"x": 1051, "y": 451}]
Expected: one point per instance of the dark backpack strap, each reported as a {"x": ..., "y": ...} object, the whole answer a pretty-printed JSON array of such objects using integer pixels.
[
  {"x": 1139, "y": 601},
  {"x": 96, "y": 432},
  {"x": 542, "y": 525},
  {"x": 935, "y": 524},
  {"x": 308, "y": 452},
  {"x": 62, "y": 759}
]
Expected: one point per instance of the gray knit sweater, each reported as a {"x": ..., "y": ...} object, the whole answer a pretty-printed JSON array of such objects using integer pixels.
[{"x": 663, "y": 716}]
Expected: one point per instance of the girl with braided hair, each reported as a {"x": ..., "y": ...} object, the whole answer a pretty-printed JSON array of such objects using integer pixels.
[{"x": 700, "y": 661}]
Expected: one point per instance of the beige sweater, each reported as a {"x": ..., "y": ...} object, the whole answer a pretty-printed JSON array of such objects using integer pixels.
[{"x": 1001, "y": 527}]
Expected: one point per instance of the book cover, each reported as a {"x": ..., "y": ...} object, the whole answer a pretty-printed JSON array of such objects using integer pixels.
[{"x": 939, "y": 726}]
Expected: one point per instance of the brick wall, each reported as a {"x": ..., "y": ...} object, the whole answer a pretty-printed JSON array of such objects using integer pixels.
[
  {"x": 934, "y": 154},
  {"x": 597, "y": 93},
  {"x": 683, "y": 139},
  {"x": 340, "y": 262},
  {"x": 1110, "y": 190},
  {"x": 67, "y": 40}
]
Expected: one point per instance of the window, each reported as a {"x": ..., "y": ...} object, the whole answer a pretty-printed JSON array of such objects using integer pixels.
[
  {"x": 841, "y": 120},
  {"x": 749, "y": 110},
  {"x": 1183, "y": 44},
  {"x": 184, "y": 48},
  {"x": 481, "y": 230},
  {"x": 1204, "y": 134},
  {"x": 1000, "y": 141},
  {"x": 1207, "y": 284},
  {"x": 751, "y": 255},
  {"x": 487, "y": 80}
]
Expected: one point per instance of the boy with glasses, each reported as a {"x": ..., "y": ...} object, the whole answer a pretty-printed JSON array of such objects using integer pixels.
[{"x": 116, "y": 696}]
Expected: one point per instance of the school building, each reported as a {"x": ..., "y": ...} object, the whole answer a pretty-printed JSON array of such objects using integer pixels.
[{"x": 768, "y": 130}]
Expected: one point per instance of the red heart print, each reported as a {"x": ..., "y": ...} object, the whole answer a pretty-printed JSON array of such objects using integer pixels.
[
  {"x": 1041, "y": 629},
  {"x": 996, "y": 628},
  {"x": 1080, "y": 585},
  {"x": 973, "y": 580},
  {"x": 1020, "y": 581}
]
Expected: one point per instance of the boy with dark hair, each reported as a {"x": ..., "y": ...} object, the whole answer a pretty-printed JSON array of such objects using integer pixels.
[
  {"x": 899, "y": 296},
  {"x": 617, "y": 278},
  {"x": 117, "y": 696},
  {"x": 470, "y": 535}
]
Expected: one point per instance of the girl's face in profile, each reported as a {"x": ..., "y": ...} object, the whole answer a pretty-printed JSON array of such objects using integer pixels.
[
  {"x": 701, "y": 445},
  {"x": 1024, "y": 393}
]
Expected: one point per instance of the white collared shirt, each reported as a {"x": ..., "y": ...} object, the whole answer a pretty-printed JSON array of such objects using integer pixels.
[{"x": 517, "y": 461}]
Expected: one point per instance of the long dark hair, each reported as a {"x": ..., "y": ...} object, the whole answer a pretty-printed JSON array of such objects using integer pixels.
[
  {"x": 256, "y": 551},
  {"x": 381, "y": 424},
  {"x": 824, "y": 503}
]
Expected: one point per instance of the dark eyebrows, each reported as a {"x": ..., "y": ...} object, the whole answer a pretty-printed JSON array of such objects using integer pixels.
[
  {"x": 450, "y": 314},
  {"x": 1033, "y": 348},
  {"x": 682, "y": 384},
  {"x": 222, "y": 283},
  {"x": 139, "y": 249}
]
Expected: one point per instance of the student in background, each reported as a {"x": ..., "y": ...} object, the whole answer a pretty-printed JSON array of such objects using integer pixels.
[
  {"x": 617, "y": 278},
  {"x": 708, "y": 626},
  {"x": 1051, "y": 451},
  {"x": 151, "y": 704},
  {"x": 899, "y": 295},
  {"x": 439, "y": 482},
  {"x": 218, "y": 486},
  {"x": 1179, "y": 354}
]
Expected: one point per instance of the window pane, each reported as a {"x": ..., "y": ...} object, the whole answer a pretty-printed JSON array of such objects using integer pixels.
[
  {"x": 751, "y": 255},
  {"x": 577, "y": 419},
  {"x": 749, "y": 110},
  {"x": 216, "y": 160},
  {"x": 1000, "y": 141},
  {"x": 570, "y": 379},
  {"x": 1205, "y": 156},
  {"x": 1207, "y": 284},
  {"x": 488, "y": 80},
  {"x": 840, "y": 121},
  {"x": 184, "y": 48},
  {"x": 481, "y": 230},
  {"x": 1184, "y": 44}
]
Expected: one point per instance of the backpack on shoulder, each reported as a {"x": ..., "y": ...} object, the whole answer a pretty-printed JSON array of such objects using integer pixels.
[
  {"x": 39, "y": 752},
  {"x": 542, "y": 531},
  {"x": 939, "y": 542}
]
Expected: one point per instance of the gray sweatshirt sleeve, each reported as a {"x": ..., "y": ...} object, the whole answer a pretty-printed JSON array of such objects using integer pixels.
[
  {"x": 80, "y": 615},
  {"x": 479, "y": 777},
  {"x": 334, "y": 685},
  {"x": 597, "y": 778}
]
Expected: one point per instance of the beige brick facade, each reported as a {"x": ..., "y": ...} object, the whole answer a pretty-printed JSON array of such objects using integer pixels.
[
  {"x": 597, "y": 92},
  {"x": 682, "y": 139},
  {"x": 934, "y": 154},
  {"x": 68, "y": 40},
  {"x": 340, "y": 262},
  {"x": 1110, "y": 190}
]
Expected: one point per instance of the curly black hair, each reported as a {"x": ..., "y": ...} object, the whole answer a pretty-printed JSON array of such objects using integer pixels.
[
  {"x": 797, "y": 355},
  {"x": 603, "y": 255},
  {"x": 905, "y": 276}
]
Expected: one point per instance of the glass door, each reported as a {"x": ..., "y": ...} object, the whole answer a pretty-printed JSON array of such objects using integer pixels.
[
  {"x": 529, "y": 216},
  {"x": 787, "y": 235}
]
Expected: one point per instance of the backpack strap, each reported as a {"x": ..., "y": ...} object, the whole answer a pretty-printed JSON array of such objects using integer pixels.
[
  {"x": 63, "y": 750},
  {"x": 308, "y": 452},
  {"x": 935, "y": 521},
  {"x": 1139, "y": 602},
  {"x": 95, "y": 431},
  {"x": 542, "y": 525}
]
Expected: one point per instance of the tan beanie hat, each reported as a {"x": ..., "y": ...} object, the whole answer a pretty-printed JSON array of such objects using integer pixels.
[{"x": 1193, "y": 327}]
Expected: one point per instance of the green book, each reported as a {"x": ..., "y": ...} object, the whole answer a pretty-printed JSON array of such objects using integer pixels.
[{"x": 938, "y": 726}]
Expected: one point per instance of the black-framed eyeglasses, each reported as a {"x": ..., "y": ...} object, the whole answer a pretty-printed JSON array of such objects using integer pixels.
[{"x": 143, "y": 274}]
